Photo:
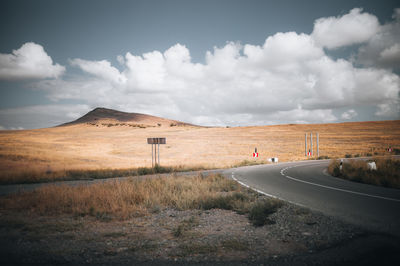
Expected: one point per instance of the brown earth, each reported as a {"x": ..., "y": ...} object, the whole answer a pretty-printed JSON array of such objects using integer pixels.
[
  {"x": 206, "y": 237},
  {"x": 295, "y": 236}
]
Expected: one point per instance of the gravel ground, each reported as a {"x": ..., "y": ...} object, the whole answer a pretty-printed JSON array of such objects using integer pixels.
[{"x": 293, "y": 236}]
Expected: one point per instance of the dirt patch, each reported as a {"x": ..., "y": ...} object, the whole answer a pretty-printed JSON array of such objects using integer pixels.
[{"x": 169, "y": 236}]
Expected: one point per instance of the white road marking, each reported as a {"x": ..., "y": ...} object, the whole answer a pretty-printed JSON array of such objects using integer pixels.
[
  {"x": 263, "y": 193},
  {"x": 333, "y": 188}
]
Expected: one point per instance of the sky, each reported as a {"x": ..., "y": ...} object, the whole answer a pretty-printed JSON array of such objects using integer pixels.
[{"x": 212, "y": 63}]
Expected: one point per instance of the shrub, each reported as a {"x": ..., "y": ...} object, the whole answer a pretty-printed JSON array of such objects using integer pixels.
[
  {"x": 158, "y": 169},
  {"x": 185, "y": 226},
  {"x": 225, "y": 202},
  {"x": 348, "y": 156},
  {"x": 261, "y": 209},
  {"x": 334, "y": 168}
]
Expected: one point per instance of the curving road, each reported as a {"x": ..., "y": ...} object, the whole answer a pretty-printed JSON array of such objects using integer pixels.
[{"x": 306, "y": 183}]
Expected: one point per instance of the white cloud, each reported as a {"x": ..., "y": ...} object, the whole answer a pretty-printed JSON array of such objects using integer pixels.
[
  {"x": 391, "y": 53},
  {"x": 352, "y": 28},
  {"x": 383, "y": 49},
  {"x": 101, "y": 69},
  {"x": 388, "y": 110},
  {"x": 28, "y": 62},
  {"x": 16, "y": 128},
  {"x": 282, "y": 50},
  {"x": 349, "y": 114},
  {"x": 300, "y": 116},
  {"x": 288, "y": 79}
]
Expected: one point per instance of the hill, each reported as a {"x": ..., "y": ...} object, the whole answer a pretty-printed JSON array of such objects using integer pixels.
[{"x": 109, "y": 117}]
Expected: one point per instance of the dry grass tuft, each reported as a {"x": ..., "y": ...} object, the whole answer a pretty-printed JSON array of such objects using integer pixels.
[{"x": 261, "y": 209}]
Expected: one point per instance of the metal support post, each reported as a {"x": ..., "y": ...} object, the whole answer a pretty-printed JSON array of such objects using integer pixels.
[
  {"x": 155, "y": 160},
  {"x": 311, "y": 145},
  {"x": 305, "y": 142},
  {"x": 155, "y": 154}
]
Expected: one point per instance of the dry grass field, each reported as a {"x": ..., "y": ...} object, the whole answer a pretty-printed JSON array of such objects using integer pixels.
[
  {"x": 98, "y": 141},
  {"x": 135, "y": 198}
]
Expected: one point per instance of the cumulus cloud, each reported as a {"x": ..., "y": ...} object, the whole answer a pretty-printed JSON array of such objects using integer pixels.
[
  {"x": 383, "y": 49},
  {"x": 349, "y": 114},
  {"x": 307, "y": 116},
  {"x": 388, "y": 110},
  {"x": 288, "y": 79},
  {"x": 28, "y": 62},
  {"x": 352, "y": 28},
  {"x": 101, "y": 69}
]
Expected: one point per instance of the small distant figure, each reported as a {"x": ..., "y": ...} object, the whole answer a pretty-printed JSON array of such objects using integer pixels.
[
  {"x": 390, "y": 149},
  {"x": 341, "y": 165}
]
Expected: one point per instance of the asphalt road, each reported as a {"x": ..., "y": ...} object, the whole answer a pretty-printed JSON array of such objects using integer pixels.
[{"x": 307, "y": 184}]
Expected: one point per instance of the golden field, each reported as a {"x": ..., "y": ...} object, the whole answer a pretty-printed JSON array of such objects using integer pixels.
[{"x": 115, "y": 145}]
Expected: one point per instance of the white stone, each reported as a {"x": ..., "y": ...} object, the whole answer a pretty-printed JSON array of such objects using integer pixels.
[{"x": 371, "y": 166}]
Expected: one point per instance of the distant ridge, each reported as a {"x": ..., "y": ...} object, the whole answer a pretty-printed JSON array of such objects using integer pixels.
[{"x": 102, "y": 116}]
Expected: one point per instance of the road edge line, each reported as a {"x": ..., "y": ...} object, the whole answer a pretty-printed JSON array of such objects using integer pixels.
[{"x": 333, "y": 188}]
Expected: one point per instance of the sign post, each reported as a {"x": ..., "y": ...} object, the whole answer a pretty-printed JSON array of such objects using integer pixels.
[
  {"x": 309, "y": 146},
  {"x": 154, "y": 142}
]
